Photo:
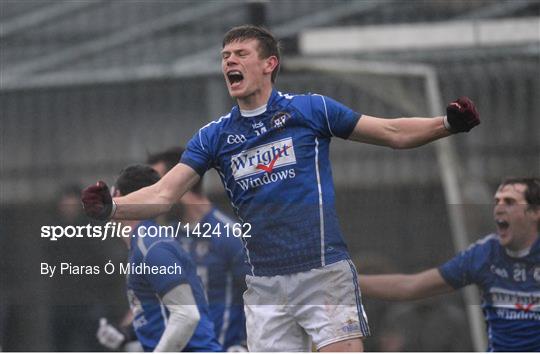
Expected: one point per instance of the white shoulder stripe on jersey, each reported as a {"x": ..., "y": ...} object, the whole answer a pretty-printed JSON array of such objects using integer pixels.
[
  {"x": 325, "y": 113},
  {"x": 209, "y": 124},
  {"x": 486, "y": 238},
  {"x": 483, "y": 240}
]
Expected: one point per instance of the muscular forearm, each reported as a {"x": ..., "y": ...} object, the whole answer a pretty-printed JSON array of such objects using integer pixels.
[
  {"x": 406, "y": 133},
  {"x": 158, "y": 198},
  {"x": 412, "y": 132},
  {"x": 399, "y": 133},
  {"x": 146, "y": 203}
]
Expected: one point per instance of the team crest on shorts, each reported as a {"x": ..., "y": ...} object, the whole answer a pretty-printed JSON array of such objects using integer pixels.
[
  {"x": 351, "y": 326},
  {"x": 279, "y": 119}
]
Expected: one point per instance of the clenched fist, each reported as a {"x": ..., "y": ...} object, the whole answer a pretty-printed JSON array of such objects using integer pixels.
[
  {"x": 97, "y": 201},
  {"x": 461, "y": 115}
]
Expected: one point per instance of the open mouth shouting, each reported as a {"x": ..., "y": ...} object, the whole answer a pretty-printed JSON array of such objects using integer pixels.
[
  {"x": 235, "y": 78},
  {"x": 502, "y": 225}
]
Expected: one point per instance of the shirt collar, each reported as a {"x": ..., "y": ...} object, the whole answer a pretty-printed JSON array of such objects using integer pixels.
[
  {"x": 253, "y": 112},
  {"x": 524, "y": 252},
  {"x": 262, "y": 109},
  {"x": 518, "y": 254}
]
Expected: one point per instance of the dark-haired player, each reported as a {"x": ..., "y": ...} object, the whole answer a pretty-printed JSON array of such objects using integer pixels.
[
  {"x": 272, "y": 153},
  {"x": 505, "y": 265},
  {"x": 219, "y": 259},
  {"x": 169, "y": 309}
]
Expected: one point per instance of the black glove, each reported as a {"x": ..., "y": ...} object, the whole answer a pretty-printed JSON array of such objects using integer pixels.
[
  {"x": 97, "y": 201},
  {"x": 461, "y": 115}
]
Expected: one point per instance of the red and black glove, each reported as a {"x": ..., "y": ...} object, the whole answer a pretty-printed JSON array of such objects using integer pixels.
[
  {"x": 97, "y": 201},
  {"x": 461, "y": 115}
]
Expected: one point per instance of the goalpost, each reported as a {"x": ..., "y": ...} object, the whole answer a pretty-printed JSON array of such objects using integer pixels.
[{"x": 449, "y": 165}]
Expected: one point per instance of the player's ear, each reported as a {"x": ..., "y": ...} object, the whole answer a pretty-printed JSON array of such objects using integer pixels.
[
  {"x": 534, "y": 211},
  {"x": 270, "y": 64}
]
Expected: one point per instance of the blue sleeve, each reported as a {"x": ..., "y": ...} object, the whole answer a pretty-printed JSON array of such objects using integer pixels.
[
  {"x": 198, "y": 154},
  {"x": 460, "y": 270},
  {"x": 165, "y": 254},
  {"x": 333, "y": 118}
]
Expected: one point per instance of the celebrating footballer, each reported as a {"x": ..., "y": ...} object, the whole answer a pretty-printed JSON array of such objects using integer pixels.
[{"x": 272, "y": 154}]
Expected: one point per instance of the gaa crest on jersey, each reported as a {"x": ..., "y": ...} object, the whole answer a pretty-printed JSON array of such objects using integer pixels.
[
  {"x": 263, "y": 158},
  {"x": 258, "y": 128},
  {"x": 501, "y": 272},
  {"x": 257, "y": 125},
  {"x": 279, "y": 119}
]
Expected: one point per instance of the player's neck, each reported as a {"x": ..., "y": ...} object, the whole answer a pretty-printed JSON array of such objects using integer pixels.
[
  {"x": 524, "y": 247},
  {"x": 255, "y": 100},
  {"x": 529, "y": 242}
]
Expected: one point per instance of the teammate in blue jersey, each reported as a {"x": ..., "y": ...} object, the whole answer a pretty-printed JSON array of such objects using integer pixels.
[
  {"x": 169, "y": 309},
  {"x": 220, "y": 264},
  {"x": 219, "y": 259},
  {"x": 504, "y": 265},
  {"x": 272, "y": 153}
]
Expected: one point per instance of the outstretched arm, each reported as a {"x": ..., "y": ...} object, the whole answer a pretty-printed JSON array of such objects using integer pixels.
[
  {"x": 144, "y": 203},
  {"x": 405, "y": 133},
  {"x": 158, "y": 198},
  {"x": 400, "y": 287},
  {"x": 399, "y": 133}
]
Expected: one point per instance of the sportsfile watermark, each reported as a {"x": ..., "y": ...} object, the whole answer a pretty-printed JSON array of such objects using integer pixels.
[{"x": 118, "y": 230}]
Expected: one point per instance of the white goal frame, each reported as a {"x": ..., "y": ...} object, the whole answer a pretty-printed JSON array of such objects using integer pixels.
[{"x": 449, "y": 165}]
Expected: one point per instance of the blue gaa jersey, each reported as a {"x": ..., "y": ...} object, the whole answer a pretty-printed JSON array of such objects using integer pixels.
[
  {"x": 276, "y": 170},
  {"x": 146, "y": 290},
  {"x": 221, "y": 265},
  {"x": 510, "y": 291}
]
